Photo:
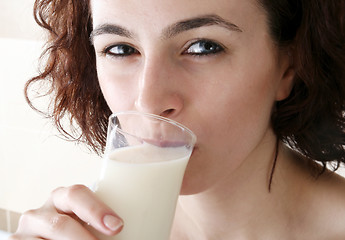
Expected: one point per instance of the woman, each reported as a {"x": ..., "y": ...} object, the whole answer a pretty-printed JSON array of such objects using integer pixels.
[{"x": 249, "y": 77}]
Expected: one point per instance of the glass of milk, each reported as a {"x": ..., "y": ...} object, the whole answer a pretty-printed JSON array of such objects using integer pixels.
[{"x": 145, "y": 159}]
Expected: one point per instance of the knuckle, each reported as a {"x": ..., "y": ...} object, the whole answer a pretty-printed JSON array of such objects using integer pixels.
[
  {"x": 65, "y": 194},
  {"x": 28, "y": 217},
  {"x": 53, "y": 222},
  {"x": 74, "y": 190},
  {"x": 56, "y": 190},
  {"x": 58, "y": 222}
]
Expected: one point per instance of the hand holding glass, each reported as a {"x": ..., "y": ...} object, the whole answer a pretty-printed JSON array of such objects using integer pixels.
[{"x": 145, "y": 159}]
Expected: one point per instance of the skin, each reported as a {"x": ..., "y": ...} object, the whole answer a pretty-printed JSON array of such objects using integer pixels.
[
  {"x": 147, "y": 62},
  {"x": 232, "y": 89}
]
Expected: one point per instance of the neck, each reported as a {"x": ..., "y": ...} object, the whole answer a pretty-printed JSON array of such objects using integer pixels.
[{"x": 240, "y": 205}]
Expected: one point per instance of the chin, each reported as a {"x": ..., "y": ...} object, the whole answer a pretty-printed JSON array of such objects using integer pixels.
[
  {"x": 193, "y": 183},
  {"x": 187, "y": 191},
  {"x": 194, "y": 177}
]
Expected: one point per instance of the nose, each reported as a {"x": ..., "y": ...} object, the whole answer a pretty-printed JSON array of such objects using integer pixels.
[{"x": 158, "y": 88}]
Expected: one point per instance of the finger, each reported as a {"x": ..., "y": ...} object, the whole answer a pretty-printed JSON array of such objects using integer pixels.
[
  {"x": 82, "y": 202},
  {"x": 51, "y": 225},
  {"x": 22, "y": 237}
]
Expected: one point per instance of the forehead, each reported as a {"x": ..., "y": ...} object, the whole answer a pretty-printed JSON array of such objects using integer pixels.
[{"x": 157, "y": 14}]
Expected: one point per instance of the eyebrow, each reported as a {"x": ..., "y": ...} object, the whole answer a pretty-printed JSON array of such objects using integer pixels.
[
  {"x": 197, "y": 22},
  {"x": 170, "y": 31},
  {"x": 110, "y": 29}
]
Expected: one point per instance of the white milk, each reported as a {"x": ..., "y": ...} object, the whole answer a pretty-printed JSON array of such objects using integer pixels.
[{"x": 141, "y": 184}]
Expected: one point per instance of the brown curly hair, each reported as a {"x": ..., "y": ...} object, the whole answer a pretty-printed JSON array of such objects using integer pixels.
[
  {"x": 311, "y": 119},
  {"x": 70, "y": 71}
]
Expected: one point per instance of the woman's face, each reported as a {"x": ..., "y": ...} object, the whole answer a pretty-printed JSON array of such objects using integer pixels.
[{"x": 210, "y": 65}]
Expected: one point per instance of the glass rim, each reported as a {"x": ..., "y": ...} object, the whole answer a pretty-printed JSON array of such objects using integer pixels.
[{"x": 154, "y": 116}]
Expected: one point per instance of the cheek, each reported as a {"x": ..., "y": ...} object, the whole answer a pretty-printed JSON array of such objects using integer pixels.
[
  {"x": 233, "y": 117},
  {"x": 238, "y": 96},
  {"x": 116, "y": 89}
]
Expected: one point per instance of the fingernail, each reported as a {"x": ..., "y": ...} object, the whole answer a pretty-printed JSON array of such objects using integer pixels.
[{"x": 112, "y": 223}]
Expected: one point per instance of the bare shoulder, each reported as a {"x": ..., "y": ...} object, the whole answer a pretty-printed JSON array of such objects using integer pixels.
[
  {"x": 320, "y": 203},
  {"x": 326, "y": 212}
]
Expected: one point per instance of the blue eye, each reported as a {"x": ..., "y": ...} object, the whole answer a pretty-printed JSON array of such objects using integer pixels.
[
  {"x": 204, "y": 47},
  {"x": 120, "y": 50}
]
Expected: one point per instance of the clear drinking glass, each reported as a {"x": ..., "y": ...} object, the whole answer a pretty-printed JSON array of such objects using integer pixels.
[{"x": 145, "y": 159}]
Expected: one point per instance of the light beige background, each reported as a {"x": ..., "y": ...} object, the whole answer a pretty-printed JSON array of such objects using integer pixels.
[{"x": 33, "y": 159}]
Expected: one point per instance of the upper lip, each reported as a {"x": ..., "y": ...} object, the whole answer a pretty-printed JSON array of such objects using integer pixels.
[{"x": 165, "y": 143}]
